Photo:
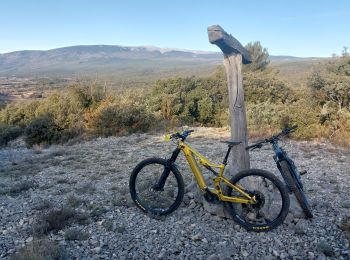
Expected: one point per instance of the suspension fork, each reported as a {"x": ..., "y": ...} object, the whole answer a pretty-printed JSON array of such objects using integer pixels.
[
  {"x": 278, "y": 157},
  {"x": 170, "y": 162}
]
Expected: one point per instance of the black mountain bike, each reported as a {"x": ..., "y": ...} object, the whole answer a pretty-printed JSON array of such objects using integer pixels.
[{"x": 287, "y": 168}]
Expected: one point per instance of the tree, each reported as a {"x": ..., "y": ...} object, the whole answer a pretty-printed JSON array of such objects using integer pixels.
[
  {"x": 259, "y": 55},
  {"x": 345, "y": 52}
]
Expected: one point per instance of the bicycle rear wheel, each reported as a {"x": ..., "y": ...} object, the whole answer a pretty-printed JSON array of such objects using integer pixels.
[
  {"x": 298, "y": 191},
  {"x": 151, "y": 198},
  {"x": 272, "y": 200}
]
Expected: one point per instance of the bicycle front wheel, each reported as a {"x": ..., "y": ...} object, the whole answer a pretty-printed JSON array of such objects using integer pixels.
[
  {"x": 146, "y": 192},
  {"x": 298, "y": 191},
  {"x": 272, "y": 200}
]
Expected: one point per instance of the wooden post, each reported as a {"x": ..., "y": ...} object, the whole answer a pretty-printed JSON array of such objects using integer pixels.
[
  {"x": 238, "y": 122},
  {"x": 234, "y": 55}
]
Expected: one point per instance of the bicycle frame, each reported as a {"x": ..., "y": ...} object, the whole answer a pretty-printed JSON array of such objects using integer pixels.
[{"x": 190, "y": 155}]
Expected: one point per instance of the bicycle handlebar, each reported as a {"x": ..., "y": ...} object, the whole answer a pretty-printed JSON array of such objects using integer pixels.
[
  {"x": 179, "y": 135},
  {"x": 276, "y": 137}
]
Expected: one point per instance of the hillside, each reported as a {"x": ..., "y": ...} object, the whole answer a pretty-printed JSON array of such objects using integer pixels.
[
  {"x": 86, "y": 186},
  {"x": 296, "y": 71},
  {"x": 120, "y": 63},
  {"x": 104, "y": 60}
]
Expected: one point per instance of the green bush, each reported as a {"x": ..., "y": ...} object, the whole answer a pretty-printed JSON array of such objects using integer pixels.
[
  {"x": 191, "y": 100},
  {"x": 42, "y": 130},
  {"x": 330, "y": 87},
  {"x": 117, "y": 117},
  {"x": 19, "y": 114},
  {"x": 66, "y": 110},
  {"x": 9, "y": 133},
  {"x": 321, "y": 111},
  {"x": 260, "y": 87}
]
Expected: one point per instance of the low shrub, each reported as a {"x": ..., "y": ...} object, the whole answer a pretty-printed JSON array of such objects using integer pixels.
[
  {"x": 44, "y": 131},
  {"x": 9, "y": 133},
  {"x": 74, "y": 201},
  {"x": 18, "y": 187},
  {"x": 57, "y": 219},
  {"x": 41, "y": 130},
  {"x": 322, "y": 110},
  {"x": 345, "y": 226},
  {"x": 118, "y": 117},
  {"x": 75, "y": 234},
  {"x": 40, "y": 250}
]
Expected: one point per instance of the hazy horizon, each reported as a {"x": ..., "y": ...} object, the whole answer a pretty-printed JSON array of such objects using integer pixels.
[
  {"x": 293, "y": 28},
  {"x": 165, "y": 49}
]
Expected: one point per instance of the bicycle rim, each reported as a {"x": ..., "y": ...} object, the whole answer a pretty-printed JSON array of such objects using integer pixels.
[
  {"x": 145, "y": 194},
  {"x": 272, "y": 201}
]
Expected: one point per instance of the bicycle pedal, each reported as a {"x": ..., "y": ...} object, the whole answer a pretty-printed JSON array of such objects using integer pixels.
[{"x": 303, "y": 172}]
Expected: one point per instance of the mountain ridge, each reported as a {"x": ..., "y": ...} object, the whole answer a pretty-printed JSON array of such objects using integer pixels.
[
  {"x": 149, "y": 48},
  {"x": 107, "y": 59}
]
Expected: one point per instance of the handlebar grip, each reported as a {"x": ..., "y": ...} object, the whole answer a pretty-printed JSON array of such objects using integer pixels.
[
  {"x": 289, "y": 129},
  {"x": 254, "y": 146},
  {"x": 250, "y": 146}
]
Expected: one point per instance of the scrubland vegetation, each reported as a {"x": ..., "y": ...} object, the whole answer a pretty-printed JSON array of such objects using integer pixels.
[{"x": 321, "y": 107}]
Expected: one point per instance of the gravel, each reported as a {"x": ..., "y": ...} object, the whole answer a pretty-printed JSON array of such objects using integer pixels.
[{"x": 92, "y": 178}]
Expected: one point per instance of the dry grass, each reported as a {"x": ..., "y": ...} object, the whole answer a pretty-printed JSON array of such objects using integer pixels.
[
  {"x": 221, "y": 133},
  {"x": 17, "y": 188},
  {"x": 74, "y": 201},
  {"x": 62, "y": 181},
  {"x": 122, "y": 201},
  {"x": 97, "y": 210},
  {"x": 108, "y": 225},
  {"x": 86, "y": 188},
  {"x": 22, "y": 169},
  {"x": 58, "y": 153},
  {"x": 325, "y": 248},
  {"x": 42, "y": 205},
  {"x": 40, "y": 250},
  {"x": 345, "y": 226},
  {"x": 57, "y": 219},
  {"x": 76, "y": 234},
  {"x": 95, "y": 177}
]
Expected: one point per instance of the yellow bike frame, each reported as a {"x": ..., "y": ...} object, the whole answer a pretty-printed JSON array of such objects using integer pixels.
[{"x": 190, "y": 155}]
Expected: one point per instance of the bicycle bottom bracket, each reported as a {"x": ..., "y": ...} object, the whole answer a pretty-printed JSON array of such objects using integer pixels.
[
  {"x": 209, "y": 196},
  {"x": 260, "y": 200}
]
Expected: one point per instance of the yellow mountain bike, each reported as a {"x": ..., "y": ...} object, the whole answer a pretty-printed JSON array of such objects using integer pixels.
[{"x": 256, "y": 199}]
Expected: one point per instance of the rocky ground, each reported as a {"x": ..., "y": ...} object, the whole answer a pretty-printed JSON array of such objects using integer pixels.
[{"x": 73, "y": 202}]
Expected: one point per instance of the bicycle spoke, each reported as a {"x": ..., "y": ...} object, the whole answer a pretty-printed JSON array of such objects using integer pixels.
[
  {"x": 155, "y": 199},
  {"x": 269, "y": 200}
]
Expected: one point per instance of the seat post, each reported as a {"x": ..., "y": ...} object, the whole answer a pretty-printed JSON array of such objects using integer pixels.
[{"x": 227, "y": 154}]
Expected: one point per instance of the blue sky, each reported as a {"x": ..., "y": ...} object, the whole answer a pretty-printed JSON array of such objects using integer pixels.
[{"x": 298, "y": 28}]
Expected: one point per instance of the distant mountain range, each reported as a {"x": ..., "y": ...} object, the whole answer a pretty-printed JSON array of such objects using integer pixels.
[{"x": 110, "y": 60}]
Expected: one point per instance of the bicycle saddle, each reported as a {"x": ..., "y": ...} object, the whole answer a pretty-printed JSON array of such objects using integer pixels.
[{"x": 232, "y": 143}]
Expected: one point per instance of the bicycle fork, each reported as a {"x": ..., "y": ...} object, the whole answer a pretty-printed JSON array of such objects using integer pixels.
[
  {"x": 292, "y": 172},
  {"x": 159, "y": 186}
]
